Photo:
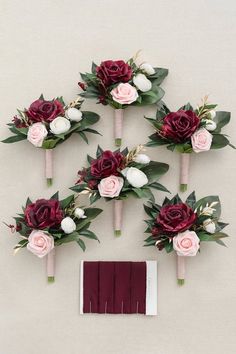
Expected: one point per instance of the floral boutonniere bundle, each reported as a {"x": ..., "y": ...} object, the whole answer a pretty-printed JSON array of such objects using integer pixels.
[
  {"x": 122, "y": 84},
  {"x": 45, "y": 124},
  {"x": 45, "y": 224},
  {"x": 117, "y": 175},
  {"x": 189, "y": 130},
  {"x": 183, "y": 226}
]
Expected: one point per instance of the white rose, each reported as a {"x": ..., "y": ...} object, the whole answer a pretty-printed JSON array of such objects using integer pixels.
[
  {"x": 212, "y": 114},
  {"x": 142, "y": 83},
  {"x": 142, "y": 158},
  {"x": 60, "y": 125},
  {"x": 73, "y": 114},
  {"x": 209, "y": 226},
  {"x": 68, "y": 225},
  {"x": 136, "y": 177},
  {"x": 36, "y": 134},
  {"x": 147, "y": 68},
  {"x": 79, "y": 213},
  {"x": 210, "y": 125},
  {"x": 124, "y": 171}
]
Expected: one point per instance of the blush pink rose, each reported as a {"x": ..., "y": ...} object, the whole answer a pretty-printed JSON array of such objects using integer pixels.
[
  {"x": 201, "y": 140},
  {"x": 111, "y": 186},
  {"x": 186, "y": 243},
  {"x": 36, "y": 134},
  {"x": 40, "y": 243},
  {"x": 124, "y": 94}
]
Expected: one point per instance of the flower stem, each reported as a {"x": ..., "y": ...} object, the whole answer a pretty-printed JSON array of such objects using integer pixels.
[
  {"x": 118, "y": 141},
  {"x": 180, "y": 281},
  {"x": 51, "y": 279},
  {"x": 117, "y": 233},
  {"x": 183, "y": 187},
  {"x": 49, "y": 182}
]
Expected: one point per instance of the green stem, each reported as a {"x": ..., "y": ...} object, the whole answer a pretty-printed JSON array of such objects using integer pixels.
[
  {"x": 117, "y": 233},
  {"x": 49, "y": 182},
  {"x": 118, "y": 141},
  {"x": 180, "y": 282},
  {"x": 51, "y": 279},
  {"x": 183, "y": 187}
]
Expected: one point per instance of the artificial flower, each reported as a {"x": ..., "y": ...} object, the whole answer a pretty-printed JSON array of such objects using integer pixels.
[
  {"x": 142, "y": 83},
  {"x": 44, "y": 111},
  {"x": 60, "y": 125},
  {"x": 74, "y": 114},
  {"x": 201, "y": 140},
  {"x": 37, "y": 132},
  {"x": 113, "y": 71},
  {"x": 147, "y": 68},
  {"x": 186, "y": 243},
  {"x": 124, "y": 94},
  {"x": 40, "y": 243},
  {"x": 142, "y": 158},
  {"x": 111, "y": 186},
  {"x": 136, "y": 177},
  {"x": 68, "y": 225},
  {"x": 43, "y": 214},
  {"x": 209, "y": 226},
  {"x": 80, "y": 213},
  {"x": 107, "y": 164}
]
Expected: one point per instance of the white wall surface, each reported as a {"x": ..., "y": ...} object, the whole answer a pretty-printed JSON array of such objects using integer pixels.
[{"x": 44, "y": 46}]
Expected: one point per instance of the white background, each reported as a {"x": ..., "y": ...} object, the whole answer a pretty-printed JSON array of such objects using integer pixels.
[{"x": 44, "y": 46}]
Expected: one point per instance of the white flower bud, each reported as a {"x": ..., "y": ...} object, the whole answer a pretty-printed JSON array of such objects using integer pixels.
[
  {"x": 210, "y": 125},
  {"x": 136, "y": 177},
  {"x": 142, "y": 83},
  {"x": 209, "y": 226},
  {"x": 147, "y": 68},
  {"x": 142, "y": 158},
  {"x": 212, "y": 114},
  {"x": 68, "y": 225},
  {"x": 73, "y": 114},
  {"x": 79, "y": 213}
]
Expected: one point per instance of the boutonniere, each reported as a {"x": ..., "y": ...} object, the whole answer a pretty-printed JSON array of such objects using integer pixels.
[
  {"x": 121, "y": 84},
  {"x": 183, "y": 227},
  {"x": 47, "y": 223},
  {"x": 46, "y": 124},
  {"x": 117, "y": 176},
  {"x": 189, "y": 131}
]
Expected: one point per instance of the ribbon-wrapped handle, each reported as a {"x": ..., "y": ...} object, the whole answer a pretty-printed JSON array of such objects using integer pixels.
[
  {"x": 180, "y": 270},
  {"x": 118, "y": 216},
  {"x": 184, "y": 171},
  {"x": 48, "y": 166},
  {"x": 118, "y": 126},
  {"x": 51, "y": 265}
]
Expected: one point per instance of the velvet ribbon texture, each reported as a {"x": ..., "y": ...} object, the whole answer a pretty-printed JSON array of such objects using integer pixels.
[{"x": 115, "y": 287}]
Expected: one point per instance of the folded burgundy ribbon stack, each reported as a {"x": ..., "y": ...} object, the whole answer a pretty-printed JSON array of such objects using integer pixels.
[{"x": 118, "y": 287}]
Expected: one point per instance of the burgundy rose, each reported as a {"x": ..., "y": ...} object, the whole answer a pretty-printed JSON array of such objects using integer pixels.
[
  {"x": 107, "y": 164},
  {"x": 176, "y": 218},
  {"x": 43, "y": 214},
  {"x": 111, "y": 72},
  {"x": 180, "y": 126},
  {"x": 44, "y": 111}
]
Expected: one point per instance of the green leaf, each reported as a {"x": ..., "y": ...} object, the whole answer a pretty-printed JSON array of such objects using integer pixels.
[
  {"x": 90, "y": 159},
  {"x": 89, "y": 118},
  {"x": 83, "y": 136},
  {"x": 78, "y": 188},
  {"x": 169, "y": 247},
  {"x": 94, "y": 68},
  {"x": 219, "y": 141},
  {"x": 208, "y": 200},
  {"x": 28, "y": 201},
  {"x": 49, "y": 144},
  {"x": 14, "y": 139},
  {"x": 67, "y": 201},
  {"x": 186, "y": 107},
  {"x": 94, "y": 197},
  {"x": 154, "y": 170},
  {"x": 191, "y": 200},
  {"x": 221, "y": 119},
  {"x": 99, "y": 151},
  {"x": 93, "y": 131},
  {"x": 159, "y": 187},
  {"x": 55, "y": 196},
  {"x": 149, "y": 211},
  {"x": 81, "y": 244},
  {"x": 143, "y": 193},
  {"x": 159, "y": 76},
  {"x": 89, "y": 234},
  {"x": 92, "y": 213}
]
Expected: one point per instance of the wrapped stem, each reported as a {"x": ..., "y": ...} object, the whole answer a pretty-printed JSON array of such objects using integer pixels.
[
  {"x": 180, "y": 270},
  {"x": 118, "y": 216},
  {"x": 51, "y": 265},
  {"x": 118, "y": 126},
  {"x": 48, "y": 166},
  {"x": 184, "y": 171}
]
